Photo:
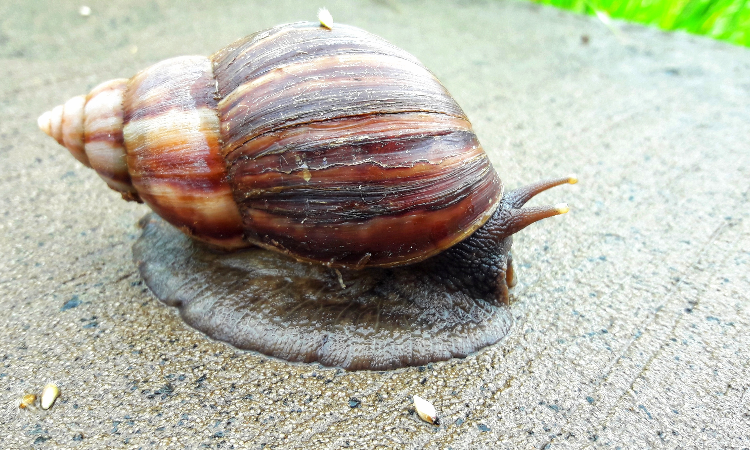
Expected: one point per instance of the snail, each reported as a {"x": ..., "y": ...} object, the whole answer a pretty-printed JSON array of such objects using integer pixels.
[{"x": 332, "y": 200}]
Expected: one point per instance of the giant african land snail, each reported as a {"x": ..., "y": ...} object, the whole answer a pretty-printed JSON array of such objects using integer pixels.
[{"x": 330, "y": 146}]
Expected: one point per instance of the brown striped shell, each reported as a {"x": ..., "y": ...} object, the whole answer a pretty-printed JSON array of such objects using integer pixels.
[{"x": 332, "y": 146}]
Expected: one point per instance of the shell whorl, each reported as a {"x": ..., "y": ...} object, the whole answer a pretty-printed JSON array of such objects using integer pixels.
[
  {"x": 171, "y": 131},
  {"x": 155, "y": 138},
  {"x": 329, "y": 145},
  {"x": 90, "y": 127}
]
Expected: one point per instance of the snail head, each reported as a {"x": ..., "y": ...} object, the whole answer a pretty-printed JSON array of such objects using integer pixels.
[{"x": 482, "y": 265}]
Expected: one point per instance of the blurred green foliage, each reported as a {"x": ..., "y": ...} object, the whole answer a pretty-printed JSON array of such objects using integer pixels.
[{"x": 728, "y": 20}]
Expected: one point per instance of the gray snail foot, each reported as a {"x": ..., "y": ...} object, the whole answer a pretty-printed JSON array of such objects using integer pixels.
[{"x": 374, "y": 319}]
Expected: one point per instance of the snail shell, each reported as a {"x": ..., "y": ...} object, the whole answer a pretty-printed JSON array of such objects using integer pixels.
[{"x": 313, "y": 142}]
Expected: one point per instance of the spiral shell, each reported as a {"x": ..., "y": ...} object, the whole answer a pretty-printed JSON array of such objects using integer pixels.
[{"x": 332, "y": 146}]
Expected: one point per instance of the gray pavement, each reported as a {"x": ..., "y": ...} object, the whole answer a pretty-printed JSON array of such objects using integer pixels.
[{"x": 632, "y": 311}]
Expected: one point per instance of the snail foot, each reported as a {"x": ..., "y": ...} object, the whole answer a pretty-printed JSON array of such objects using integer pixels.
[{"x": 257, "y": 300}]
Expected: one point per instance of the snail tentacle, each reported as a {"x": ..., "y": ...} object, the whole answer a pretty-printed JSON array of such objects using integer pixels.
[
  {"x": 514, "y": 220},
  {"x": 518, "y": 197}
]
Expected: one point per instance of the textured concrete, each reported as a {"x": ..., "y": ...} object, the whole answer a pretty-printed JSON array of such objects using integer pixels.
[{"x": 632, "y": 311}]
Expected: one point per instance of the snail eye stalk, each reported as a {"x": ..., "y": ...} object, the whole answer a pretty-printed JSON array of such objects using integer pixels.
[
  {"x": 518, "y": 219},
  {"x": 518, "y": 197}
]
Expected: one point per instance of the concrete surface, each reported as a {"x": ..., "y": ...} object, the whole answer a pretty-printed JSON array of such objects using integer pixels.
[{"x": 632, "y": 311}]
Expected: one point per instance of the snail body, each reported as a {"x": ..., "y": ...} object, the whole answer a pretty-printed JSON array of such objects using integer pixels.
[{"x": 329, "y": 146}]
